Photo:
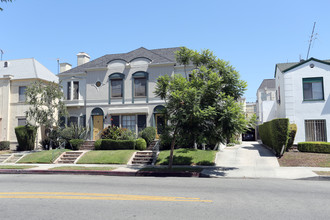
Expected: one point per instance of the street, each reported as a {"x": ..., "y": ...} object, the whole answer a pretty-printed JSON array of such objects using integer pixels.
[{"x": 102, "y": 197}]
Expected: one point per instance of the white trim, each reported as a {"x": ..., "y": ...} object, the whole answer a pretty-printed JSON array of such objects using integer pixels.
[{"x": 133, "y": 110}]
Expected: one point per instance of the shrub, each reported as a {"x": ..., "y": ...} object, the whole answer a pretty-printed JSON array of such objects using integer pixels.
[
  {"x": 292, "y": 135},
  {"x": 26, "y": 136},
  {"x": 314, "y": 147},
  {"x": 141, "y": 144},
  {"x": 4, "y": 145},
  {"x": 76, "y": 143},
  {"x": 108, "y": 144},
  {"x": 149, "y": 134},
  {"x": 275, "y": 134},
  {"x": 116, "y": 133}
]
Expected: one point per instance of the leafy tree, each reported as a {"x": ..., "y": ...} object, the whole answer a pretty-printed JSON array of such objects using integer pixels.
[
  {"x": 205, "y": 106},
  {"x": 4, "y": 1},
  {"x": 46, "y": 104}
]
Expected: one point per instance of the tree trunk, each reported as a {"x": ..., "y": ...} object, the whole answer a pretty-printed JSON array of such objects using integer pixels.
[{"x": 170, "y": 162}]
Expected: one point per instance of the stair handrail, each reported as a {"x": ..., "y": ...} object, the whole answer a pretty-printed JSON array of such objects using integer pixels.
[{"x": 155, "y": 151}]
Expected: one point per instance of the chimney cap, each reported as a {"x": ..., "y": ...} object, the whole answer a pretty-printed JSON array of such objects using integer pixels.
[{"x": 83, "y": 54}]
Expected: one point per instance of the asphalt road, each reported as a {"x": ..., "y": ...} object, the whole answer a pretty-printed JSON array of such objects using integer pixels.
[{"x": 102, "y": 197}]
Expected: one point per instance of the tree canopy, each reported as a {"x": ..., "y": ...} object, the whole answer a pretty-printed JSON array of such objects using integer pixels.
[
  {"x": 203, "y": 108},
  {"x": 4, "y": 1},
  {"x": 46, "y": 104}
]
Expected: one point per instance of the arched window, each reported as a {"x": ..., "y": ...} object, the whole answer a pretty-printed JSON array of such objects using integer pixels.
[
  {"x": 97, "y": 111},
  {"x": 116, "y": 86}
]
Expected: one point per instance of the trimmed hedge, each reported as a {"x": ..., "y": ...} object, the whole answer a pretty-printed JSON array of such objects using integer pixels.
[
  {"x": 4, "y": 145},
  {"x": 26, "y": 136},
  {"x": 292, "y": 135},
  {"x": 141, "y": 144},
  {"x": 76, "y": 143},
  {"x": 314, "y": 147},
  {"x": 275, "y": 134},
  {"x": 108, "y": 144},
  {"x": 149, "y": 134}
]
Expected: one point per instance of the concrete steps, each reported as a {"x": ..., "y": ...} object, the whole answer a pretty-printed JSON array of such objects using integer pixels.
[
  {"x": 69, "y": 157},
  {"x": 4, "y": 157},
  {"x": 87, "y": 145},
  {"x": 14, "y": 158},
  {"x": 143, "y": 158}
]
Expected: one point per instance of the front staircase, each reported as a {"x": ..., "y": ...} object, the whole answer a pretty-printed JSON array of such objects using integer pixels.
[
  {"x": 14, "y": 158},
  {"x": 4, "y": 157},
  {"x": 143, "y": 158},
  {"x": 87, "y": 145},
  {"x": 69, "y": 157}
]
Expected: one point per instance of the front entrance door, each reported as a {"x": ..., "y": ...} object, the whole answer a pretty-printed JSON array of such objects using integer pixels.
[
  {"x": 97, "y": 126},
  {"x": 160, "y": 124}
]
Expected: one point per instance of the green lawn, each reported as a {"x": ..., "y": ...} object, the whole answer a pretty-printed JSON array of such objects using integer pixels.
[
  {"x": 47, "y": 156},
  {"x": 82, "y": 168},
  {"x": 188, "y": 157},
  {"x": 106, "y": 157},
  {"x": 16, "y": 167}
]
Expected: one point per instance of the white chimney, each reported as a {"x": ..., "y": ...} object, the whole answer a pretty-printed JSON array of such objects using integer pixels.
[
  {"x": 82, "y": 58},
  {"x": 64, "y": 67}
]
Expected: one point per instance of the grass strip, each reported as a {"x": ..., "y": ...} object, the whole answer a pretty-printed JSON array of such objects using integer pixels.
[
  {"x": 322, "y": 173},
  {"x": 16, "y": 167},
  {"x": 47, "y": 156},
  {"x": 106, "y": 157},
  {"x": 82, "y": 168},
  {"x": 188, "y": 157}
]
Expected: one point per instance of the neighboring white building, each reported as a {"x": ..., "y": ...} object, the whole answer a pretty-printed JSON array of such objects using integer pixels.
[
  {"x": 303, "y": 96},
  {"x": 15, "y": 76},
  {"x": 265, "y": 106},
  {"x": 117, "y": 89}
]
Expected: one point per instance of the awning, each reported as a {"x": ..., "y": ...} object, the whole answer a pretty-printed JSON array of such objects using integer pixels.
[{"x": 134, "y": 110}]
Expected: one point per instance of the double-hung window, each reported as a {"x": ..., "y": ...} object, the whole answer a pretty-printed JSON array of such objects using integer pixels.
[
  {"x": 128, "y": 121},
  {"x": 116, "y": 87},
  {"x": 72, "y": 90},
  {"x": 21, "y": 91},
  {"x": 313, "y": 89},
  {"x": 76, "y": 90}
]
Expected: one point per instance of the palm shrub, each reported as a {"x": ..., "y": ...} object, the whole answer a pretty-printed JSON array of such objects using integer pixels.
[
  {"x": 73, "y": 132},
  {"x": 148, "y": 134}
]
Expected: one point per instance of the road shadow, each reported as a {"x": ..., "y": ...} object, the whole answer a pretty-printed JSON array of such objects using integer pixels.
[
  {"x": 263, "y": 152},
  {"x": 218, "y": 171}
]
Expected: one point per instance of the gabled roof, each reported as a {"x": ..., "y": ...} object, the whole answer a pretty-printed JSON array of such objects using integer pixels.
[
  {"x": 284, "y": 67},
  {"x": 28, "y": 68},
  {"x": 156, "y": 56},
  {"x": 267, "y": 83}
]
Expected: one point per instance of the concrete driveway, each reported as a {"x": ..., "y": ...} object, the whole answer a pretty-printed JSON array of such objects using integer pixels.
[{"x": 253, "y": 160}]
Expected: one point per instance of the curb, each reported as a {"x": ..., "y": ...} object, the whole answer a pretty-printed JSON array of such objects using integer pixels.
[{"x": 105, "y": 173}]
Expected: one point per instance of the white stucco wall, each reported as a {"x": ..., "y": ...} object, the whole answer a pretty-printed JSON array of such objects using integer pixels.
[{"x": 292, "y": 104}]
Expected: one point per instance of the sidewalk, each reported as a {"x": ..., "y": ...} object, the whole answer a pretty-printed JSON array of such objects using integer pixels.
[
  {"x": 253, "y": 160},
  {"x": 248, "y": 160}
]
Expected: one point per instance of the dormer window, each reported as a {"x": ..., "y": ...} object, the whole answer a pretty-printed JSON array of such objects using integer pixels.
[{"x": 5, "y": 64}]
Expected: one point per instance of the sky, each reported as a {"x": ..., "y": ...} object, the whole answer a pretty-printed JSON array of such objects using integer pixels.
[{"x": 252, "y": 35}]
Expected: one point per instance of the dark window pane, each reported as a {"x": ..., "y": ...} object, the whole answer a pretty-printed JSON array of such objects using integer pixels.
[
  {"x": 62, "y": 121},
  {"x": 313, "y": 88},
  {"x": 83, "y": 121},
  {"x": 116, "y": 88},
  {"x": 21, "y": 121},
  {"x": 160, "y": 123},
  {"x": 68, "y": 94},
  {"x": 73, "y": 120},
  {"x": 140, "y": 87},
  {"x": 75, "y": 90},
  {"x": 142, "y": 122},
  {"x": 115, "y": 120}
]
